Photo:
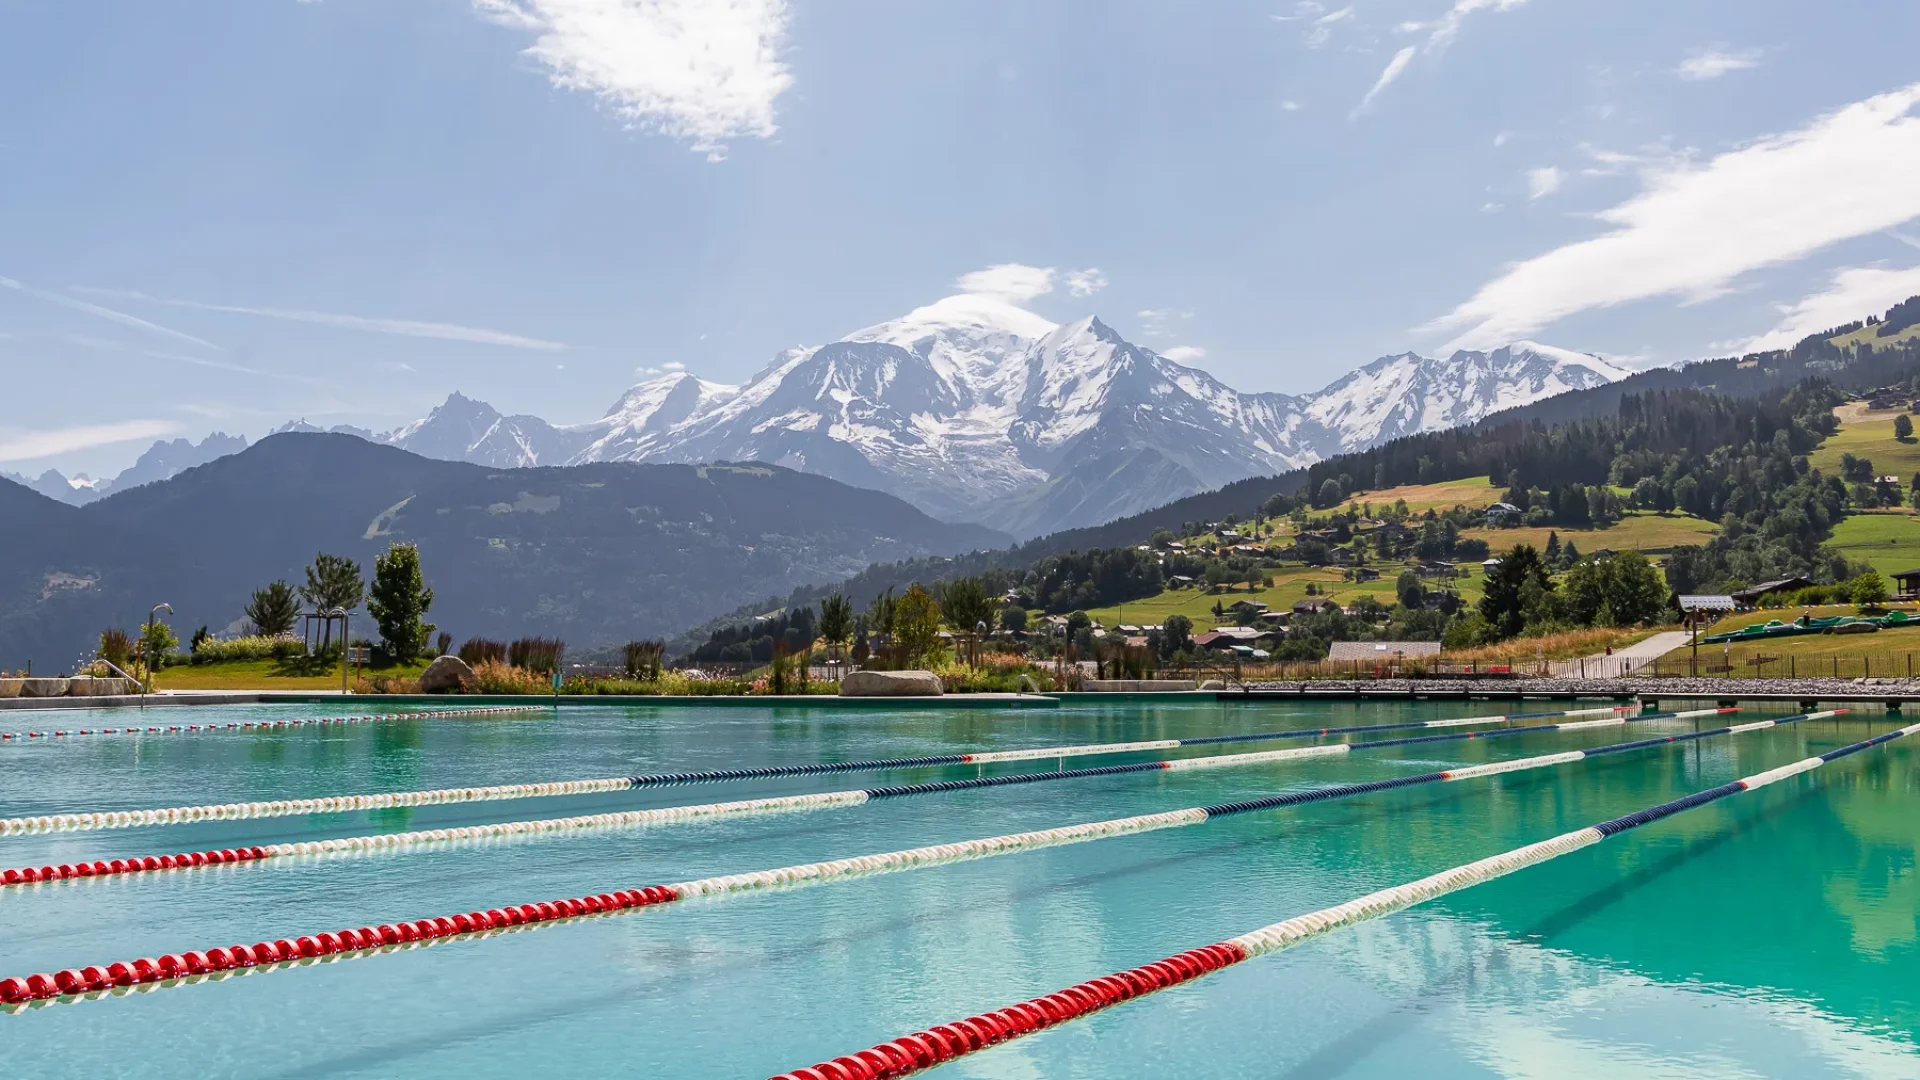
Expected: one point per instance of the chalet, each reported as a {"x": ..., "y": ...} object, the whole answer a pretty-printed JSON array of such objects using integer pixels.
[
  {"x": 1499, "y": 512},
  {"x": 1751, "y": 596},
  {"x": 1490, "y": 564},
  {"x": 1907, "y": 585},
  {"x": 1179, "y": 581},
  {"x": 1339, "y": 556},
  {"x": 1315, "y": 605},
  {"x": 1223, "y": 638},
  {"x": 1365, "y": 573}
]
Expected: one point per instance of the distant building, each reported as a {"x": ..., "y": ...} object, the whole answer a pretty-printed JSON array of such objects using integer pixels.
[
  {"x": 1382, "y": 650},
  {"x": 1751, "y": 596},
  {"x": 1500, "y": 512},
  {"x": 1314, "y": 606},
  {"x": 1907, "y": 585}
]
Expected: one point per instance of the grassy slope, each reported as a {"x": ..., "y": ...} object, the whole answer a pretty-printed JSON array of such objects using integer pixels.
[
  {"x": 1473, "y": 492},
  {"x": 1289, "y": 586},
  {"x": 1888, "y": 540},
  {"x": 1868, "y": 433},
  {"x": 261, "y": 675},
  {"x": 1868, "y": 335},
  {"x": 1638, "y": 531}
]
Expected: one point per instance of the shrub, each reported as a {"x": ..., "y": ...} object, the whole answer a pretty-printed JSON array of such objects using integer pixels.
[
  {"x": 386, "y": 684},
  {"x": 255, "y": 647},
  {"x": 641, "y": 659},
  {"x": 115, "y": 646},
  {"x": 443, "y": 644},
  {"x": 539, "y": 655},
  {"x": 1868, "y": 589},
  {"x": 493, "y": 677},
  {"x": 477, "y": 651}
]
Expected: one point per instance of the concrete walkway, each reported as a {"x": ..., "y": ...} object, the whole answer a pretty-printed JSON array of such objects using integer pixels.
[{"x": 1628, "y": 661}]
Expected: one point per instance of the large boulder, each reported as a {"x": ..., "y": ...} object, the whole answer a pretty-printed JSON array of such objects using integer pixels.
[
  {"x": 890, "y": 684},
  {"x": 11, "y": 687},
  {"x": 44, "y": 687},
  {"x": 90, "y": 686},
  {"x": 448, "y": 675}
]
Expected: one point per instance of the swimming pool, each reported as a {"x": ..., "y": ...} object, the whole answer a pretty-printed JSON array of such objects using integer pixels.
[{"x": 1770, "y": 935}]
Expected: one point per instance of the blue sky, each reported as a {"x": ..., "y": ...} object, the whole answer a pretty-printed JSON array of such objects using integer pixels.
[{"x": 230, "y": 214}]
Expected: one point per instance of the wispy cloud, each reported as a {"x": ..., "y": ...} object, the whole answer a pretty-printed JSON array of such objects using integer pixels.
[
  {"x": 107, "y": 313},
  {"x": 1544, "y": 181},
  {"x": 1852, "y": 294},
  {"x": 402, "y": 327},
  {"x": 1394, "y": 67},
  {"x": 1182, "y": 354},
  {"x": 1444, "y": 31},
  {"x": 1018, "y": 282},
  {"x": 109, "y": 345},
  {"x": 1713, "y": 63},
  {"x": 700, "y": 70},
  {"x": 31, "y": 445},
  {"x": 1322, "y": 31},
  {"x": 1691, "y": 232},
  {"x": 1158, "y": 322}
]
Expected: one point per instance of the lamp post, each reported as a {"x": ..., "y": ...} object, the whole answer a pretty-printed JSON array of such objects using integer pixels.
[{"x": 153, "y": 614}]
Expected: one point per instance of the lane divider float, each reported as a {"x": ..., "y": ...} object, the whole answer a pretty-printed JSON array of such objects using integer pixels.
[
  {"x": 85, "y": 821},
  {"x": 145, "y": 973},
  {"x": 945, "y": 1042},
  {"x": 264, "y": 725}
]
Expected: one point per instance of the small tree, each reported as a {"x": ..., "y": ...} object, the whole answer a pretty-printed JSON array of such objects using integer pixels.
[
  {"x": 966, "y": 606},
  {"x": 399, "y": 603},
  {"x": 916, "y": 624},
  {"x": 1176, "y": 634},
  {"x": 1013, "y": 619},
  {"x": 1903, "y": 427},
  {"x": 157, "y": 642},
  {"x": 1868, "y": 589},
  {"x": 333, "y": 581},
  {"x": 273, "y": 610},
  {"x": 836, "y": 620}
]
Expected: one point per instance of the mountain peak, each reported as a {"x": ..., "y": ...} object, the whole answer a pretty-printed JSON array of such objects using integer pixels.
[{"x": 967, "y": 313}]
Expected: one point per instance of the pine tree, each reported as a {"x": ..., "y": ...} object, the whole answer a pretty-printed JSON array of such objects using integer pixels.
[{"x": 399, "y": 603}]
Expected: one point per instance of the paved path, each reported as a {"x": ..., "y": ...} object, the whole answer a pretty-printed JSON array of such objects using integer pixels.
[{"x": 1627, "y": 661}]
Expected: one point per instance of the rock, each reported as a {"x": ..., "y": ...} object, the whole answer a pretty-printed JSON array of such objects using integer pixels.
[
  {"x": 44, "y": 687},
  {"x": 448, "y": 675},
  {"x": 890, "y": 684},
  {"x": 11, "y": 687},
  {"x": 89, "y": 686}
]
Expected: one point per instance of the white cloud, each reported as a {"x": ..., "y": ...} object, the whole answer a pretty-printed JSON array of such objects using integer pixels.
[
  {"x": 1394, "y": 67},
  {"x": 1544, "y": 181},
  {"x": 673, "y": 365},
  {"x": 1084, "y": 282},
  {"x": 1445, "y": 30},
  {"x": 1017, "y": 282},
  {"x": 1290, "y": 105},
  {"x": 701, "y": 70},
  {"x": 1851, "y": 295},
  {"x": 1156, "y": 322},
  {"x": 1502, "y": 139},
  {"x": 1322, "y": 31},
  {"x": 1692, "y": 230},
  {"x": 29, "y": 445},
  {"x": 108, "y": 313},
  {"x": 1009, "y": 281},
  {"x": 1713, "y": 63},
  {"x": 1181, "y": 354},
  {"x": 402, "y": 327}
]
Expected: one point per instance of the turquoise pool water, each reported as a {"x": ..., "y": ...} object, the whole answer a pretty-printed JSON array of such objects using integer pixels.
[{"x": 1770, "y": 935}]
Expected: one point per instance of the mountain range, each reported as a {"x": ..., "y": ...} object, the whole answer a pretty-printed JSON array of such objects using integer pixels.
[
  {"x": 975, "y": 409},
  {"x": 164, "y": 459},
  {"x": 594, "y": 554}
]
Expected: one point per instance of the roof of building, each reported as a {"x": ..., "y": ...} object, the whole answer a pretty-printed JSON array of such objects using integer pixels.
[
  {"x": 1765, "y": 587},
  {"x": 1381, "y": 650},
  {"x": 1710, "y": 601}
]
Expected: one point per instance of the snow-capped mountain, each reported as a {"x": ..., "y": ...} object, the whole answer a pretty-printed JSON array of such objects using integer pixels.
[
  {"x": 976, "y": 409},
  {"x": 163, "y": 460},
  {"x": 1401, "y": 395}
]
